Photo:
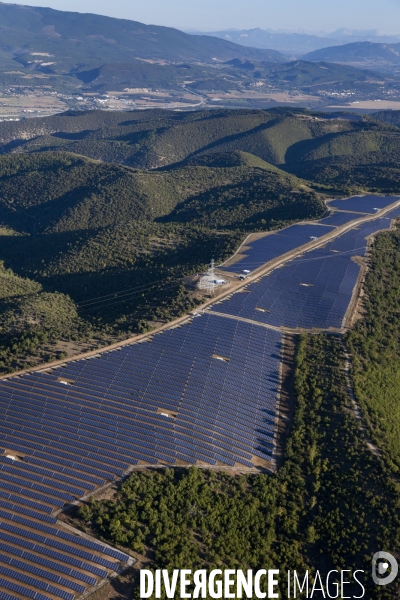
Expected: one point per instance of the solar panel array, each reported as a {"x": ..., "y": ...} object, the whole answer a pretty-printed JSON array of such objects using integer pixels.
[
  {"x": 311, "y": 291},
  {"x": 267, "y": 248},
  {"x": 206, "y": 391},
  {"x": 203, "y": 393},
  {"x": 261, "y": 251},
  {"x": 38, "y": 558},
  {"x": 340, "y": 218},
  {"x": 363, "y": 204}
]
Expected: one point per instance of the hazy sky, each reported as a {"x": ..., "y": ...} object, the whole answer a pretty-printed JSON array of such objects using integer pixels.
[{"x": 208, "y": 15}]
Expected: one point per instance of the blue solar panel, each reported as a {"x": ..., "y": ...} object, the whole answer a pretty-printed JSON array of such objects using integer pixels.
[
  {"x": 39, "y": 572},
  {"x": 311, "y": 291},
  {"x": 60, "y": 556},
  {"x": 19, "y": 589},
  {"x": 335, "y": 219},
  {"x": 364, "y": 204},
  {"x": 5, "y": 596},
  {"x": 176, "y": 370},
  {"x": 265, "y": 249},
  {"x": 48, "y": 542},
  {"x": 40, "y": 560}
]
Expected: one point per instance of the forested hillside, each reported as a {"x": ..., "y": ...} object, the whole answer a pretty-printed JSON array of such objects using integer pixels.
[
  {"x": 369, "y": 53},
  {"x": 104, "y": 214},
  {"x": 392, "y": 117},
  {"x": 96, "y": 251},
  {"x": 374, "y": 342},
  {"x": 343, "y": 153}
]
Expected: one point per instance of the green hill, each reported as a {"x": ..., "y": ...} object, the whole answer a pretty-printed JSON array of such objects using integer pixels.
[
  {"x": 304, "y": 73},
  {"x": 165, "y": 138},
  {"x": 66, "y": 192},
  {"x": 392, "y": 117},
  {"x": 87, "y": 230},
  {"x": 368, "y": 159},
  {"x": 50, "y": 192},
  {"x": 227, "y": 76},
  {"x": 360, "y": 154},
  {"x": 347, "y": 154},
  {"x": 12, "y": 285},
  {"x": 358, "y": 52},
  {"x": 138, "y": 139},
  {"x": 236, "y": 158}
]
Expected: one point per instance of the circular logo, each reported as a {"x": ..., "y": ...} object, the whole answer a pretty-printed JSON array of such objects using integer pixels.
[{"x": 384, "y": 568}]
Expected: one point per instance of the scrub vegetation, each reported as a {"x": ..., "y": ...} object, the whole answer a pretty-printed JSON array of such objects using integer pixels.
[{"x": 353, "y": 155}]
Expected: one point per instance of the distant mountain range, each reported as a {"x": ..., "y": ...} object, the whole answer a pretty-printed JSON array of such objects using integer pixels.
[
  {"x": 231, "y": 75},
  {"x": 298, "y": 44},
  {"x": 64, "y": 40},
  {"x": 79, "y": 55},
  {"x": 368, "y": 53}
]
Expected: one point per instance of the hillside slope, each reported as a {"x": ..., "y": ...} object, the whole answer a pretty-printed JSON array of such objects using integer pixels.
[
  {"x": 358, "y": 52},
  {"x": 298, "y": 44},
  {"x": 105, "y": 247},
  {"x": 363, "y": 160},
  {"x": 72, "y": 38},
  {"x": 59, "y": 192},
  {"x": 349, "y": 154},
  {"x": 391, "y": 117},
  {"x": 149, "y": 140}
]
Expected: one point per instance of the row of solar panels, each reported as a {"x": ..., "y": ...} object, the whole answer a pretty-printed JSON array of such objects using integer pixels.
[
  {"x": 161, "y": 390},
  {"x": 139, "y": 437},
  {"x": 311, "y": 291},
  {"x": 271, "y": 246},
  {"x": 65, "y": 431},
  {"x": 42, "y": 562}
]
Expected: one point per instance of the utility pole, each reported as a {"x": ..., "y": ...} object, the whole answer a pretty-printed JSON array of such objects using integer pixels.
[{"x": 211, "y": 274}]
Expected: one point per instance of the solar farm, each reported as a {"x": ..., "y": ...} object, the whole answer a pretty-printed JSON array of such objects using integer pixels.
[
  {"x": 362, "y": 204},
  {"x": 313, "y": 291},
  {"x": 272, "y": 246},
  {"x": 205, "y": 393}
]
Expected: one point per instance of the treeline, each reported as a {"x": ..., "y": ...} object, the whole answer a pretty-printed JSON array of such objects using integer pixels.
[
  {"x": 375, "y": 346},
  {"x": 59, "y": 192},
  {"x": 363, "y": 160},
  {"x": 260, "y": 200},
  {"x": 348, "y": 155}
]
